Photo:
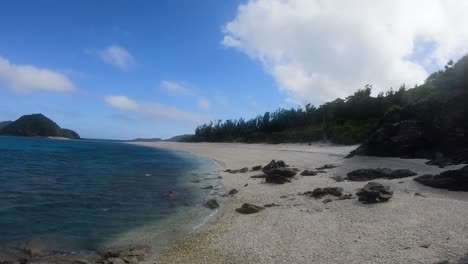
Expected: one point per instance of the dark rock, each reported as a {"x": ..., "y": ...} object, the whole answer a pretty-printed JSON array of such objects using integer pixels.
[
  {"x": 308, "y": 173},
  {"x": 228, "y": 170},
  {"x": 347, "y": 196},
  {"x": 233, "y": 191},
  {"x": 259, "y": 176},
  {"x": 243, "y": 170},
  {"x": 380, "y": 173},
  {"x": 212, "y": 204},
  {"x": 452, "y": 180},
  {"x": 257, "y": 168},
  {"x": 321, "y": 171},
  {"x": 249, "y": 209},
  {"x": 130, "y": 256},
  {"x": 338, "y": 178},
  {"x": 245, "y": 185},
  {"x": 209, "y": 187},
  {"x": 426, "y": 245},
  {"x": 277, "y": 179},
  {"x": 270, "y": 205},
  {"x": 321, "y": 192},
  {"x": 275, "y": 164},
  {"x": 285, "y": 172},
  {"x": 374, "y": 192},
  {"x": 327, "y": 166}
]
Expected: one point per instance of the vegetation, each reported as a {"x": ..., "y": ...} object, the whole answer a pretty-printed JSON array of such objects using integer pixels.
[{"x": 344, "y": 121}]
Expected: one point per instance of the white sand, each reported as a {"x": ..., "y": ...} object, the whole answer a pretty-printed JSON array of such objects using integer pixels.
[{"x": 305, "y": 230}]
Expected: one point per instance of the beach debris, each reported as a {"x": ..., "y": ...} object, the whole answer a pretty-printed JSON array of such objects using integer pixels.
[
  {"x": 257, "y": 168},
  {"x": 452, "y": 180},
  {"x": 327, "y": 166},
  {"x": 374, "y": 192},
  {"x": 249, "y": 209},
  {"x": 233, "y": 191},
  {"x": 379, "y": 173},
  {"x": 321, "y": 192},
  {"x": 308, "y": 173},
  {"x": 209, "y": 187},
  {"x": 212, "y": 204},
  {"x": 243, "y": 170}
]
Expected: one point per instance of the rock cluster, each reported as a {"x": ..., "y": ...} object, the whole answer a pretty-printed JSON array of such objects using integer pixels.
[
  {"x": 453, "y": 180},
  {"x": 374, "y": 192},
  {"x": 380, "y": 173},
  {"x": 321, "y": 192},
  {"x": 130, "y": 256}
]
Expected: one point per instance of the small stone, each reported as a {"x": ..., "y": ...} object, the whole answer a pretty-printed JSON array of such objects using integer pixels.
[
  {"x": 328, "y": 200},
  {"x": 233, "y": 191},
  {"x": 270, "y": 205},
  {"x": 246, "y": 185},
  {"x": 426, "y": 245}
]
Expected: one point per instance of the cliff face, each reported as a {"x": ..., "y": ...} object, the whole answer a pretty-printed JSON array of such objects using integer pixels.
[{"x": 36, "y": 125}]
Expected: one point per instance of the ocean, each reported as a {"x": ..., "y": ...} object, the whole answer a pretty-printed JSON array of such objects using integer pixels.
[{"x": 83, "y": 197}]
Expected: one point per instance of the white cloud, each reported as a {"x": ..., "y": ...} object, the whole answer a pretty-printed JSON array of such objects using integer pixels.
[
  {"x": 117, "y": 56},
  {"x": 28, "y": 78},
  {"x": 121, "y": 102},
  {"x": 203, "y": 103},
  {"x": 176, "y": 88},
  {"x": 319, "y": 50},
  {"x": 153, "y": 110}
]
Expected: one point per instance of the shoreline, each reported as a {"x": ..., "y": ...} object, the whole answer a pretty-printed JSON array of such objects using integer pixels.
[{"x": 305, "y": 230}]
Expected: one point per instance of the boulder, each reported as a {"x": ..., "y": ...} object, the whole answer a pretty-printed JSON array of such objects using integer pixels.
[
  {"x": 275, "y": 164},
  {"x": 249, "y": 209},
  {"x": 285, "y": 172},
  {"x": 308, "y": 173},
  {"x": 374, "y": 192},
  {"x": 452, "y": 180},
  {"x": 212, "y": 204},
  {"x": 380, "y": 173}
]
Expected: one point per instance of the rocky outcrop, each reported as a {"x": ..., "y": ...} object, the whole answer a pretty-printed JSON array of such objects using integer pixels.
[
  {"x": 433, "y": 129},
  {"x": 278, "y": 172},
  {"x": 453, "y": 180},
  {"x": 249, "y": 209},
  {"x": 380, "y": 173},
  {"x": 374, "y": 192}
]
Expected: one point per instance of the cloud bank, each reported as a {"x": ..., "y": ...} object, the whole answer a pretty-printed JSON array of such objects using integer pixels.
[
  {"x": 117, "y": 56},
  {"x": 153, "y": 110},
  {"x": 28, "y": 78},
  {"x": 320, "y": 50}
]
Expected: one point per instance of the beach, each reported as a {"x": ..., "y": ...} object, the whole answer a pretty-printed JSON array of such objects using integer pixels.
[{"x": 418, "y": 225}]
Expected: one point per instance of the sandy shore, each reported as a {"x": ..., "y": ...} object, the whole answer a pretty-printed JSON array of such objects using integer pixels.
[{"x": 426, "y": 228}]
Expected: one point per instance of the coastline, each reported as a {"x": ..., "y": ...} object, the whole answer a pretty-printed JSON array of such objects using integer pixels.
[{"x": 408, "y": 229}]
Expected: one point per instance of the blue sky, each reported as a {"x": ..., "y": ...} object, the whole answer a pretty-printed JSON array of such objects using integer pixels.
[
  {"x": 173, "y": 43},
  {"x": 126, "y": 69}
]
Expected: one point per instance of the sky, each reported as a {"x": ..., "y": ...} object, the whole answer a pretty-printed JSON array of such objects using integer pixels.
[{"x": 127, "y": 69}]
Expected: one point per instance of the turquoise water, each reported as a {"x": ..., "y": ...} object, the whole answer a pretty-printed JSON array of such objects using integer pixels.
[{"x": 78, "y": 196}]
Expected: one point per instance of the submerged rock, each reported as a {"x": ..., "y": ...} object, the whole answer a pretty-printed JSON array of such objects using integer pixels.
[
  {"x": 452, "y": 180},
  {"x": 249, "y": 209},
  {"x": 209, "y": 187},
  {"x": 212, "y": 204},
  {"x": 374, "y": 192},
  {"x": 380, "y": 173}
]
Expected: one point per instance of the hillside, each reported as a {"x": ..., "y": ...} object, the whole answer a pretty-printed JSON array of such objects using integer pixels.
[
  {"x": 36, "y": 125},
  {"x": 349, "y": 120}
]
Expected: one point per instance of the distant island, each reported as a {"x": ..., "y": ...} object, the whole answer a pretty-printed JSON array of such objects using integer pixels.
[
  {"x": 178, "y": 138},
  {"x": 35, "y": 125}
]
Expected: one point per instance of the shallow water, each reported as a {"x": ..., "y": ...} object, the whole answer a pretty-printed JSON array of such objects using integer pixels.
[{"x": 85, "y": 196}]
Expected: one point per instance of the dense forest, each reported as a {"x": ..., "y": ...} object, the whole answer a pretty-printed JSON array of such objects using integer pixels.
[{"x": 344, "y": 121}]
